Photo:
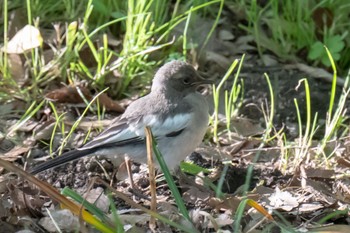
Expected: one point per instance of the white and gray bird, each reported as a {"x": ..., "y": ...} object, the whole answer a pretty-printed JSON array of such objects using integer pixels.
[{"x": 176, "y": 113}]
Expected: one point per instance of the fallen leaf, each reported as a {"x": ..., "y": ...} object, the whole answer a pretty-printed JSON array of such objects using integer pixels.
[
  {"x": 322, "y": 191},
  {"x": 68, "y": 94},
  {"x": 15, "y": 153},
  {"x": 110, "y": 104},
  {"x": 319, "y": 173},
  {"x": 343, "y": 162},
  {"x": 228, "y": 203},
  {"x": 64, "y": 220},
  {"x": 332, "y": 229},
  {"x": 310, "y": 207},
  {"x": 25, "y": 39},
  {"x": 282, "y": 200},
  {"x": 222, "y": 220},
  {"x": 71, "y": 94},
  {"x": 99, "y": 198}
]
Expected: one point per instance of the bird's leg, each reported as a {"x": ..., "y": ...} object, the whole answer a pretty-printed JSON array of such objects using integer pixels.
[
  {"x": 128, "y": 168},
  {"x": 134, "y": 189}
]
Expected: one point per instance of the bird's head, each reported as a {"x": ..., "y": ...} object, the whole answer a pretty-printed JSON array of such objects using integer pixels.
[{"x": 179, "y": 76}]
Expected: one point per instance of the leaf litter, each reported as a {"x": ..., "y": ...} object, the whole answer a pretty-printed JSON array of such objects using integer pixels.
[{"x": 303, "y": 197}]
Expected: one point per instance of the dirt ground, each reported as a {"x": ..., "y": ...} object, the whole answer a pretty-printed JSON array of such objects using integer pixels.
[{"x": 300, "y": 194}]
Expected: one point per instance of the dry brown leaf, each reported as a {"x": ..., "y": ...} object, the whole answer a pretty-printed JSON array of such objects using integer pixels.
[
  {"x": 27, "y": 127},
  {"x": 20, "y": 202},
  {"x": 319, "y": 173},
  {"x": 68, "y": 94},
  {"x": 110, "y": 104},
  {"x": 15, "y": 153},
  {"x": 245, "y": 147},
  {"x": 332, "y": 229},
  {"x": 321, "y": 190},
  {"x": 344, "y": 162},
  {"x": 228, "y": 203}
]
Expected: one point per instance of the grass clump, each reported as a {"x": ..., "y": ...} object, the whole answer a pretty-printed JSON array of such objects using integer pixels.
[
  {"x": 82, "y": 49},
  {"x": 296, "y": 30}
]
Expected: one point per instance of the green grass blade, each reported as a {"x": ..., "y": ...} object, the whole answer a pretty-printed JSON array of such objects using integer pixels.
[
  {"x": 90, "y": 207},
  {"x": 170, "y": 180},
  {"x": 34, "y": 108}
]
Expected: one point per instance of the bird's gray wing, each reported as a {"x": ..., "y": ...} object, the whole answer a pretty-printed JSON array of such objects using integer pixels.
[
  {"x": 117, "y": 134},
  {"x": 130, "y": 131},
  {"x": 117, "y": 128},
  {"x": 123, "y": 132}
]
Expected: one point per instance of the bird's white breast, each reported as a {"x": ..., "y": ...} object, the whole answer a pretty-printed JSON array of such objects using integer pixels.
[{"x": 177, "y": 148}]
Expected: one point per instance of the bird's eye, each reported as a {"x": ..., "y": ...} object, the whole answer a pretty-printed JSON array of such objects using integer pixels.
[{"x": 186, "y": 80}]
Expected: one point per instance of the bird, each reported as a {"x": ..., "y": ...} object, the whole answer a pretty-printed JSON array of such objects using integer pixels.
[{"x": 174, "y": 110}]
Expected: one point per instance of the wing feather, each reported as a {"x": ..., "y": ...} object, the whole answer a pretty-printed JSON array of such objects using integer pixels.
[{"x": 126, "y": 131}]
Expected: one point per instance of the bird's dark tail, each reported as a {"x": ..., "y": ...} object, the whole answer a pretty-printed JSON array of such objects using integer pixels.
[{"x": 62, "y": 159}]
